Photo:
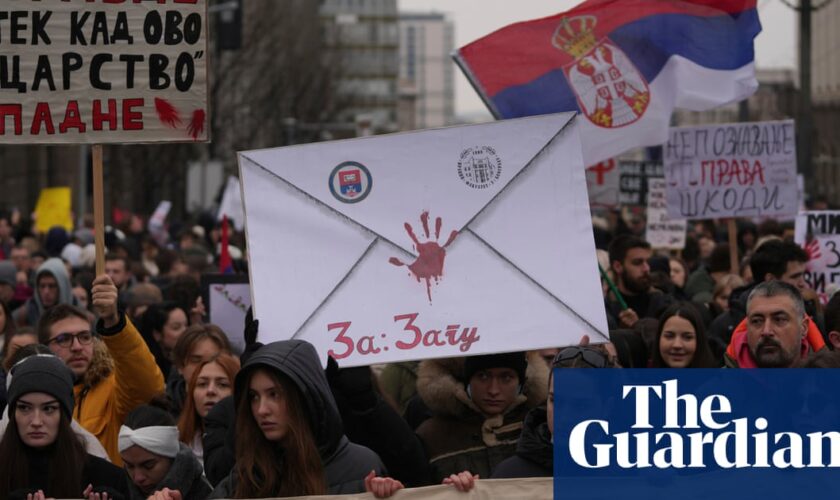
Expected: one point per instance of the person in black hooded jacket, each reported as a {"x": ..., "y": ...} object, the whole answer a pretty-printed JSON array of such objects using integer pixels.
[{"x": 287, "y": 414}]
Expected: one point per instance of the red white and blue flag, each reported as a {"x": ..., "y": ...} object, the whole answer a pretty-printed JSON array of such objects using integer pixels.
[{"x": 623, "y": 64}]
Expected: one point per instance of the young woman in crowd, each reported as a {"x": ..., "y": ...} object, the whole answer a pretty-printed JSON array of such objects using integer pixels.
[
  {"x": 198, "y": 344},
  {"x": 155, "y": 461},
  {"x": 40, "y": 455},
  {"x": 681, "y": 340},
  {"x": 210, "y": 383},
  {"x": 291, "y": 431}
]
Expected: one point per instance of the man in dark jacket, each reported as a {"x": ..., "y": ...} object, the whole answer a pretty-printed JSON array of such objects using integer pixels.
[{"x": 629, "y": 257}]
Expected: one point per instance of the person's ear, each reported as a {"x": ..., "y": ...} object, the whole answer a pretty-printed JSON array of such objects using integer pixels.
[
  {"x": 770, "y": 277},
  {"x": 617, "y": 267},
  {"x": 834, "y": 339}
]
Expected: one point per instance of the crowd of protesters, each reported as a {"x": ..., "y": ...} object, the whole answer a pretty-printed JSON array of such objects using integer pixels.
[{"x": 117, "y": 387}]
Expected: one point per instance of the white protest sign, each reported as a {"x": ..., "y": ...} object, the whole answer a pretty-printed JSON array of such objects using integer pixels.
[
  {"x": 157, "y": 222},
  {"x": 602, "y": 184},
  {"x": 732, "y": 170},
  {"x": 447, "y": 242},
  {"x": 231, "y": 204},
  {"x": 103, "y": 72},
  {"x": 662, "y": 231},
  {"x": 227, "y": 305},
  {"x": 819, "y": 235}
]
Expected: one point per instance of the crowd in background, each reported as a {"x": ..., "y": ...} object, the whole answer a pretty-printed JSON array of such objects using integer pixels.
[{"x": 117, "y": 387}]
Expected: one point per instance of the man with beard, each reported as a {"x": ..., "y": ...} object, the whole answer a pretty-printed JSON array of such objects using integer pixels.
[
  {"x": 776, "y": 335},
  {"x": 629, "y": 257}
]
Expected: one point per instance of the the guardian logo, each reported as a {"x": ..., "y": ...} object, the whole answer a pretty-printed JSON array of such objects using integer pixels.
[
  {"x": 696, "y": 434},
  {"x": 707, "y": 425}
]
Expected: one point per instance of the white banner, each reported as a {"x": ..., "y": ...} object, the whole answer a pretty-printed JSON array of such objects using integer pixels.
[
  {"x": 109, "y": 72},
  {"x": 540, "y": 488},
  {"x": 231, "y": 204},
  {"x": 732, "y": 170},
  {"x": 662, "y": 231},
  {"x": 437, "y": 243},
  {"x": 819, "y": 235},
  {"x": 602, "y": 183}
]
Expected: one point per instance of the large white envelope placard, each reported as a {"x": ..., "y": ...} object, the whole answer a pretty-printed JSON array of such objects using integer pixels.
[{"x": 445, "y": 242}]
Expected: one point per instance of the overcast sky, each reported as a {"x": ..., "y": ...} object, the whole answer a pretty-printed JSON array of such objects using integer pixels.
[{"x": 775, "y": 46}]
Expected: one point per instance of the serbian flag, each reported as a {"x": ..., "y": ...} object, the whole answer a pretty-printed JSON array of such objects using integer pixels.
[
  {"x": 225, "y": 261},
  {"x": 623, "y": 64}
]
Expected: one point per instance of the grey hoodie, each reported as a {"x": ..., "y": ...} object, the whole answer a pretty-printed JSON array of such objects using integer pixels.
[{"x": 345, "y": 464}]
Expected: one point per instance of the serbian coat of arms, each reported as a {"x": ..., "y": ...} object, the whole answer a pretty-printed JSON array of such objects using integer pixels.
[{"x": 610, "y": 90}]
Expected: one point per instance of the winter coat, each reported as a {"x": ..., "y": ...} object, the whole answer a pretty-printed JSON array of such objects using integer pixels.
[
  {"x": 657, "y": 302},
  {"x": 103, "y": 475},
  {"x": 119, "y": 379},
  {"x": 534, "y": 452},
  {"x": 219, "y": 440},
  {"x": 185, "y": 475},
  {"x": 345, "y": 464},
  {"x": 459, "y": 436},
  {"x": 399, "y": 381}
]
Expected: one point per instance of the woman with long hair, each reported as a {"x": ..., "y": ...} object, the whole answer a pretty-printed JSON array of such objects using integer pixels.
[
  {"x": 156, "y": 463},
  {"x": 681, "y": 340},
  {"x": 290, "y": 432},
  {"x": 210, "y": 383},
  {"x": 40, "y": 455}
]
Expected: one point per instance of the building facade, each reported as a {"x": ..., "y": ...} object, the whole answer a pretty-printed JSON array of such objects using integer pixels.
[{"x": 426, "y": 69}]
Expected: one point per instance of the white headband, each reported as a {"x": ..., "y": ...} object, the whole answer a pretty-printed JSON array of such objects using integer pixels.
[{"x": 158, "y": 439}]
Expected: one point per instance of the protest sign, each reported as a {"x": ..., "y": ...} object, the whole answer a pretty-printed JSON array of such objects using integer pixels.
[
  {"x": 602, "y": 181},
  {"x": 489, "y": 489},
  {"x": 436, "y": 243},
  {"x": 227, "y": 298},
  {"x": 104, "y": 72},
  {"x": 662, "y": 231},
  {"x": 633, "y": 181},
  {"x": 732, "y": 170},
  {"x": 231, "y": 204},
  {"x": 819, "y": 235},
  {"x": 53, "y": 209}
]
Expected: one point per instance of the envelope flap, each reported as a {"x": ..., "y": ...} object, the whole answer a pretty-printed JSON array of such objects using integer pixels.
[{"x": 384, "y": 184}]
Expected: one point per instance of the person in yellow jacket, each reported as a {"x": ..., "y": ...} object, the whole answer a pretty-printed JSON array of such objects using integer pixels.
[{"x": 113, "y": 368}]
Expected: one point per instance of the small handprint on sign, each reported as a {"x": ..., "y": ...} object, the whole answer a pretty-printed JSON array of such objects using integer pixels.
[
  {"x": 430, "y": 254},
  {"x": 812, "y": 248}
]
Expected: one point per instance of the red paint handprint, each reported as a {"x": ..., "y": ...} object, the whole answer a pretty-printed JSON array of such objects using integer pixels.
[
  {"x": 812, "y": 248},
  {"x": 430, "y": 255}
]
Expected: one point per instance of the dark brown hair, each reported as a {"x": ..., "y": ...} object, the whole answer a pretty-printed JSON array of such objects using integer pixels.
[
  {"x": 258, "y": 472},
  {"x": 55, "y": 314},
  {"x": 192, "y": 336},
  {"x": 67, "y": 458},
  {"x": 703, "y": 357},
  {"x": 190, "y": 421}
]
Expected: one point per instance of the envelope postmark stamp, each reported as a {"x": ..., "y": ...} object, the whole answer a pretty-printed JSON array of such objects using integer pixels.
[
  {"x": 479, "y": 167},
  {"x": 350, "y": 182}
]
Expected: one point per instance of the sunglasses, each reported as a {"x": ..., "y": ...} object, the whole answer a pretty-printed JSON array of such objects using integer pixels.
[{"x": 590, "y": 356}]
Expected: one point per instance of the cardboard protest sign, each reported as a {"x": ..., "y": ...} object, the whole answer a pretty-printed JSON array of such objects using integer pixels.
[
  {"x": 819, "y": 235},
  {"x": 732, "y": 170},
  {"x": 53, "y": 209},
  {"x": 227, "y": 298},
  {"x": 661, "y": 230},
  {"x": 436, "y": 243},
  {"x": 633, "y": 180},
  {"x": 103, "y": 72},
  {"x": 602, "y": 184}
]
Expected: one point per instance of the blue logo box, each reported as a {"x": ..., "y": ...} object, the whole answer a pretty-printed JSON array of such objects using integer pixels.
[{"x": 696, "y": 434}]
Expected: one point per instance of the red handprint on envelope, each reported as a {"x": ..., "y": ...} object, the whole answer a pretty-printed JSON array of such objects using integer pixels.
[{"x": 430, "y": 254}]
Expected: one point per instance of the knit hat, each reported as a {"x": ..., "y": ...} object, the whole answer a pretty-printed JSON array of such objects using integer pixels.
[
  {"x": 42, "y": 373},
  {"x": 513, "y": 360},
  {"x": 8, "y": 273}
]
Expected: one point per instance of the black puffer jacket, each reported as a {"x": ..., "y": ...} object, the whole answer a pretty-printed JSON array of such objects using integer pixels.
[
  {"x": 185, "y": 475},
  {"x": 345, "y": 464},
  {"x": 534, "y": 452}
]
